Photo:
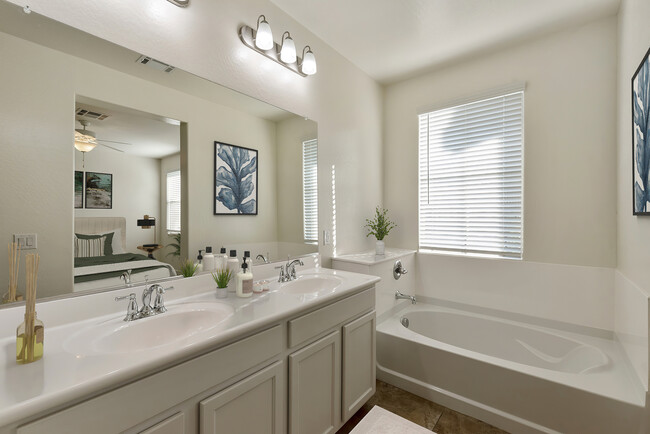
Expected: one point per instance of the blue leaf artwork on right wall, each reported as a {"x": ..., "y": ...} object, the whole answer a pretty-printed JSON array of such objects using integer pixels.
[
  {"x": 235, "y": 179},
  {"x": 641, "y": 136}
]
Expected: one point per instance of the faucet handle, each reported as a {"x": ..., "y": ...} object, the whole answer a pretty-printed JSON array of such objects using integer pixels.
[
  {"x": 282, "y": 277},
  {"x": 159, "y": 302},
  {"x": 132, "y": 308}
]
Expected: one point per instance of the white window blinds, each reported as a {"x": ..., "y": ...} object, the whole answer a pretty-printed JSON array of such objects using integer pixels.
[
  {"x": 470, "y": 177},
  {"x": 310, "y": 190},
  {"x": 174, "y": 201}
]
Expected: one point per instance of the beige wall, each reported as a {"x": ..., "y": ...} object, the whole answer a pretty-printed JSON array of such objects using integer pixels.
[
  {"x": 633, "y": 232},
  {"x": 569, "y": 157},
  {"x": 289, "y": 136},
  {"x": 346, "y": 103},
  {"x": 136, "y": 191}
]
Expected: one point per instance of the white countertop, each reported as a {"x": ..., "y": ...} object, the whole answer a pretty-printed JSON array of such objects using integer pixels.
[
  {"x": 370, "y": 258},
  {"x": 63, "y": 376}
]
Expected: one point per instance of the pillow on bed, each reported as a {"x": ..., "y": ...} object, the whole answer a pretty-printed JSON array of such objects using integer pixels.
[
  {"x": 116, "y": 245},
  {"x": 88, "y": 246}
]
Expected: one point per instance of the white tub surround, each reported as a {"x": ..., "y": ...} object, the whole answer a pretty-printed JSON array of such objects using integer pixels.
[
  {"x": 631, "y": 307},
  {"x": 515, "y": 375},
  {"x": 70, "y": 373},
  {"x": 382, "y": 266},
  {"x": 568, "y": 293}
]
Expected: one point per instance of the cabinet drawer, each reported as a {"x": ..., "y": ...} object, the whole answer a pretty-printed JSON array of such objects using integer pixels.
[
  {"x": 128, "y": 406},
  {"x": 312, "y": 324}
]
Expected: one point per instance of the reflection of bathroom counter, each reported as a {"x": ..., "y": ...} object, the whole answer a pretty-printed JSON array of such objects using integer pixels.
[
  {"x": 265, "y": 335},
  {"x": 370, "y": 258}
]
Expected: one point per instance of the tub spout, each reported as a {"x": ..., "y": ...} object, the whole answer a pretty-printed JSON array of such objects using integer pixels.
[{"x": 399, "y": 295}]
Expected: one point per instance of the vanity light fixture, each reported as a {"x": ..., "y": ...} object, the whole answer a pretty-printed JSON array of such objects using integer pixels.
[
  {"x": 261, "y": 40},
  {"x": 263, "y": 35},
  {"x": 288, "y": 50},
  {"x": 308, "y": 65}
]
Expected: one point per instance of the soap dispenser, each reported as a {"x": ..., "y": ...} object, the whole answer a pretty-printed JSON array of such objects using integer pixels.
[
  {"x": 199, "y": 263},
  {"x": 208, "y": 260},
  {"x": 233, "y": 265},
  {"x": 244, "y": 281}
]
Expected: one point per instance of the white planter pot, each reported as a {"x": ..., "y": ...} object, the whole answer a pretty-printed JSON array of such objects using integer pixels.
[{"x": 380, "y": 248}]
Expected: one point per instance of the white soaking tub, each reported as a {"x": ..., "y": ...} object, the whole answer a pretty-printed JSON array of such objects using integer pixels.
[{"x": 515, "y": 375}]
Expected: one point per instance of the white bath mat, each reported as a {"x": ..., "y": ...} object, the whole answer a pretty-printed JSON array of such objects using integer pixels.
[{"x": 380, "y": 421}]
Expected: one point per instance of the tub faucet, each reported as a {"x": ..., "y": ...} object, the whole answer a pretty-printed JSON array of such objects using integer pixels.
[{"x": 399, "y": 295}]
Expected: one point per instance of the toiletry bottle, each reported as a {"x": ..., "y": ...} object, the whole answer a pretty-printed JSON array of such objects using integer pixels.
[
  {"x": 199, "y": 263},
  {"x": 247, "y": 259},
  {"x": 233, "y": 265},
  {"x": 244, "y": 281},
  {"x": 221, "y": 260},
  {"x": 208, "y": 260}
]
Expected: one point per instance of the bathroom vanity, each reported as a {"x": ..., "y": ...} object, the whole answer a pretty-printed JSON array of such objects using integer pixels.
[{"x": 298, "y": 359}]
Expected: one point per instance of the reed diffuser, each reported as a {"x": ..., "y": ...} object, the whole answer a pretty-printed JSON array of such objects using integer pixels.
[
  {"x": 31, "y": 333},
  {"x": 14, "y": 266}
]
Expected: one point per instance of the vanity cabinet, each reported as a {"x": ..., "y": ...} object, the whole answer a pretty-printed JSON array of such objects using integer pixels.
[
  {"x": 315, "y": 386},
  {"x": 331, "y": 378},
  {"x": 253, "y": 405},
  {"x": 305, "y": 374}
]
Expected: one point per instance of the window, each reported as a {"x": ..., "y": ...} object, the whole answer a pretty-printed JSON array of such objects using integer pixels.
[
  {"x": 174, "y": 201},
  {"x": 310, "y": 190},
  {"x": 470, "y": 177}
]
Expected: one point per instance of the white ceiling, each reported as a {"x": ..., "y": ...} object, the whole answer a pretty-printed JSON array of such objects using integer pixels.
[
  {"x": 395, "y": 39},
  {"x": 147, "y": 135}
]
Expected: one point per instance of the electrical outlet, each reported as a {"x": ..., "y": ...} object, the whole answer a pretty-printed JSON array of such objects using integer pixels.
[
  {"x": 25, "y": 241},
  {"x": 326, "y": 237}
]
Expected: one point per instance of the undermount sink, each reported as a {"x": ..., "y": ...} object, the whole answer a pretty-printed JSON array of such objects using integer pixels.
[
  {"x": 311, "y": 283},
  {"x": 180, "y": 322}
]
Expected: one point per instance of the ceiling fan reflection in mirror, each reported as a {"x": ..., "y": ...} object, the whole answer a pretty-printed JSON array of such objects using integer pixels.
[{"x": 86, "y": 140}]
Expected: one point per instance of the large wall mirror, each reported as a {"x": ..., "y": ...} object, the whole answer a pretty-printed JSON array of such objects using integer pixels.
[{"x": 109, "y": 159}]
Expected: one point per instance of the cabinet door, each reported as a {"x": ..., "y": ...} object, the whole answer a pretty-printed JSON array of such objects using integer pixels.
[
  {"x": 359, "y": 369},
  {"x": 315, "y": 387},
  {"x": 253, "y": 405},
  {"x": 172, "y": 425}
]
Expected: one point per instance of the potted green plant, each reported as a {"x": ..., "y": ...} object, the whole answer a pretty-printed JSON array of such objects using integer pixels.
[
  {"x": 379, "y": 227},
  {"x": 222, "y": 278},
  {"x": 188, "y": 268}
]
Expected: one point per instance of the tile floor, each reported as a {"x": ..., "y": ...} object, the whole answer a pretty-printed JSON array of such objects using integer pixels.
[{"x": 428, "y": 414}]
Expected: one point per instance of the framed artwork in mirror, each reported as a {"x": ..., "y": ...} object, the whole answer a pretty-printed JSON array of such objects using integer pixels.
[
  {"x": 78, "y": 189},
  {"x": 235, "y": 180},
  {"x": 641, "y": 137},
  {"x": 99, "y": 190}
]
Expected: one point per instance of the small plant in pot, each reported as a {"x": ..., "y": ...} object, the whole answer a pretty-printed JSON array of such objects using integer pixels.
[
  {"x": 379, "y": 227},
  {"x": 188, "y": 268},
  {"x": 222, "y": 278}
]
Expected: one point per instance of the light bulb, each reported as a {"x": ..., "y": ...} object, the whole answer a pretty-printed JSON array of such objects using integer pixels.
[
  {"x": 308, "y": 65},
  {"x": 263, "y": 36},
  {"x": 288, "y": 51}
]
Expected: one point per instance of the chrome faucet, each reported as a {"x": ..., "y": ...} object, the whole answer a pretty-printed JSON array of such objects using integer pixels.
[
  {"x": 291, "y": 268},
  {"x": 132, "y": 311},
  {"x": 399, "y": 295},
  {"x": 283, "y": 277},
  {"x": 126, "y": 277},
  {"x": 264, "y": 258}
]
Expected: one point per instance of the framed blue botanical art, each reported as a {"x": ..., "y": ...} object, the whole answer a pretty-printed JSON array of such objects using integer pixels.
[
  {"x": 641, "y": 137},
  {"x": 235, "y": 180}
]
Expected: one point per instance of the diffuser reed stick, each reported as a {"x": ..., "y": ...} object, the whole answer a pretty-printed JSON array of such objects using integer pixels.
[
  {"x": 30, "y": 334},
  {"x": 14, "y": 268}
]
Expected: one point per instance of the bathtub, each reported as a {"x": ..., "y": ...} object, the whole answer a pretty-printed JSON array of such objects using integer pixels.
[{"x": 517, "y": 375}]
